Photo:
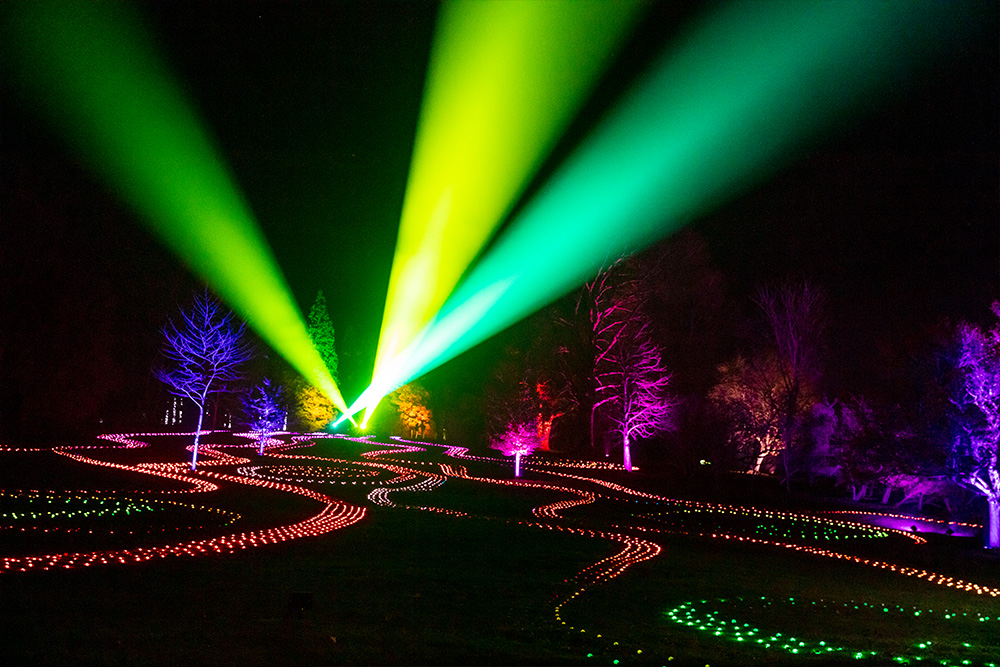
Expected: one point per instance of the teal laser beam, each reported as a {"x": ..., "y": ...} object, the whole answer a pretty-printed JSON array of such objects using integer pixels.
[{"x": 741, "y": 92}]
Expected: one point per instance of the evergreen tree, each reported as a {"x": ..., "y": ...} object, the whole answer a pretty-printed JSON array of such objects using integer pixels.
[
  {"x": 322, "y": 335},
  {"x": 312, "y": 408}
]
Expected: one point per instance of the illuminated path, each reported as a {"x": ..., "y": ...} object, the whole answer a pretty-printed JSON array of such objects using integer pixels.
[
  {"x": 333, "y": 515},
  {"x": 348, "y": 479}
]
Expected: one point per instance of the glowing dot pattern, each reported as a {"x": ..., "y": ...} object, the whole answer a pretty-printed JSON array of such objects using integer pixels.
[
  {"x": 721, "y": 618},
  {"x": 404, "y": 466},
  {"x": 334, "y": 515}
]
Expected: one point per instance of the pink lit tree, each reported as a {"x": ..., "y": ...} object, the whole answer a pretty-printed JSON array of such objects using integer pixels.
[
  {"x": 265, "y": 411},
  {"x": 613, "y": 300},
  {"x": 206, "y": 350},
  {"x": 519, "y": 439},
  {"x": 628, "y": 399},
  {"x": 632, "y": 385},
  {"x": 976, "y": 447}
]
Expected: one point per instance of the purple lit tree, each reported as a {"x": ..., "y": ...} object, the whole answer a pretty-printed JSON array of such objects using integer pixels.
[
  {"x": 206, "y": 351},
  {"x": 265, "y": 411},
  {"x": 519, "y": 439},
  {"x": 632, "y": 386},
  {"x": 976, "y": 446}
]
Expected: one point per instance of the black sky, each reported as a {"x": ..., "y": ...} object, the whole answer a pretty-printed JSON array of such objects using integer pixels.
[{"x": 314, "y": 106}]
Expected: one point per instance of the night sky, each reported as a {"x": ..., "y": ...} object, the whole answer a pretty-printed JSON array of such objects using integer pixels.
[{"x": 314, "y": 107}]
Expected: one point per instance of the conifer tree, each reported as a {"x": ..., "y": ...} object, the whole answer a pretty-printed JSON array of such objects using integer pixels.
[
  {"x": 322, "y": 334},
  {"x": 314, "y": 409}
]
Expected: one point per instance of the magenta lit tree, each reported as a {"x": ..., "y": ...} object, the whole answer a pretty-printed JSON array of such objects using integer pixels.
[
  {"x": 206, "y": 351},
  {"x": 265, "y": 411},
  {"x": 976, "y": 450},
  {"x": 519, "y": 439},
  {"x": 613, "y": 298},
  {"x": 632, "y": 386}
]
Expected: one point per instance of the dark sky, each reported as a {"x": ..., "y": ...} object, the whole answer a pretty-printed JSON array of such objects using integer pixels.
[{"x": 314, "y": 106}]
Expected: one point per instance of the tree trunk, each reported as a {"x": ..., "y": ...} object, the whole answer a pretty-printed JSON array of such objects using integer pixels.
[
  {"x": 627, "y": 454},
  {"x": 197, "y": 435},
  {"x": 886, "y": 495},
  {"x": 593, "y": 410},
  {"x": 263, "y": 437},
  {"x": 993, "y": 540},
  {"x": 787, "y": 439},
  {"x": 517, "y": 464}
]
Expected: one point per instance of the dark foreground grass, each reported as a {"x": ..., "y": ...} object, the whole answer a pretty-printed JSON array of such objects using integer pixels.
[
  {"x": 403, "y": 588},
  {"x": 412, "y": 587}
]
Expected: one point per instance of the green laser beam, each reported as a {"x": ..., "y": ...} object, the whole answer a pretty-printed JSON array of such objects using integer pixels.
[
  {"x": 504, "y": 80},
  {"x": 745, "y": 88},
  {"x": 92, "y": 69}
]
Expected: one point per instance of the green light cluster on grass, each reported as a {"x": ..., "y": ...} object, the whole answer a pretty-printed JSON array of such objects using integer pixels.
[
  {"x": 92, "y": 69},
  {"x": 720, "y": 618},
  {"x": 503, "y": 82},
  {"x": 735, "y": 97}
]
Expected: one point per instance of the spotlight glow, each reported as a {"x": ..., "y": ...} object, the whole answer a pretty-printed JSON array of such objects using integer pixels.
[
  {"x": 736, "y": 97},
  {"x": 91, "y": 68},
  {"x": 504, "y": 80}
]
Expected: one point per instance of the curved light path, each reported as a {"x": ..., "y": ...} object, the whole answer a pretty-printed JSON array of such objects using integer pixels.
[
  {"x": 743, "y": 620},
  {"x": 635, "y": 521},
  {"x": 333, "y": 515}
]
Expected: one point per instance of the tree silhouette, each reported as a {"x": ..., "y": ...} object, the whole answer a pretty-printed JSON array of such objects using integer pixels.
[
  {"x": 206, "y": 351},
  {"x": 321, "y": 332},
  {"x": 793, "y": 314}
]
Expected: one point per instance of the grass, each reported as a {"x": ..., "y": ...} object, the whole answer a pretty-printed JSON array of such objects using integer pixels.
[{"x": 411, "y": 587}]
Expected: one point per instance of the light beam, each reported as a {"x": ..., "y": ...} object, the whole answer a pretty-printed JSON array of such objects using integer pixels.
[
  {"x": 91, "y": 68},
  {"x": 504, "y": 80},
  {"x": 739, "y": 94}
]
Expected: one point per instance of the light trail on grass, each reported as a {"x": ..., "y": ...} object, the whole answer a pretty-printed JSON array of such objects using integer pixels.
[
  {"x": 334, "y": 515},
  {"x": 711, "y": 617},
  {"x": 635, "y": 542},
  {"x": 916, "y": 572}
]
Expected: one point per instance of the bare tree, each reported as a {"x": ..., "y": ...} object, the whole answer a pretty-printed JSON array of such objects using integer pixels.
[
  {"x": 206, "y": 351},
  {"x": 611, "y": 299},
  {"x": 632, "y": 385},
  {"x": 795, "y": 323},
  {"x": 746, "y": 396},
  {"x": 976, "y": 449}
]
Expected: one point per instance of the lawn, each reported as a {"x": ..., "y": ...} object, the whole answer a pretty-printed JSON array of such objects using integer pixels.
[{"x": 451, "y": 562}]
